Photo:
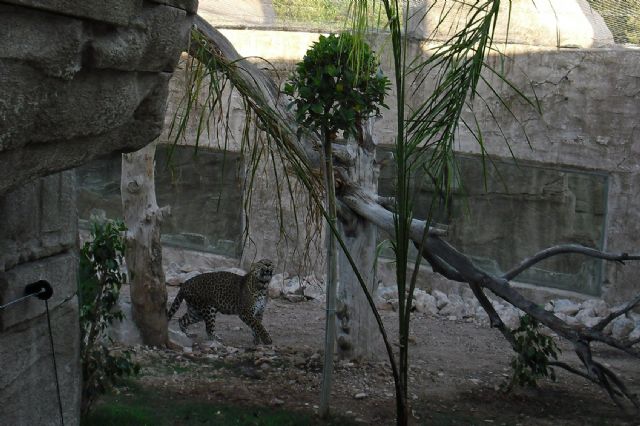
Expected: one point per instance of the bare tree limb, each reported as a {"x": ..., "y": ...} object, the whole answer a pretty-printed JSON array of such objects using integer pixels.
[
  {"x": 613, "y": 315},
  {"x": 565, "y": 249}
]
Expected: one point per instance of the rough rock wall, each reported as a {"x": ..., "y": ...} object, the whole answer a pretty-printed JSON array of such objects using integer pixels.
[
  {"x": 83, "y": 78},
  {"x": 78, "y": 80}
]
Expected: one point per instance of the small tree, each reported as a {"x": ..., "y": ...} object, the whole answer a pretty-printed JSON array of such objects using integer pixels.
[
  {"x": 534, "y": 353},
  {"x": 332, "y": 95},
  {"x": 99, "y": 285}
]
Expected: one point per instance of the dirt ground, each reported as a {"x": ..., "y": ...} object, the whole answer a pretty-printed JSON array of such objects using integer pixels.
[{"x": 457, "y": 369}]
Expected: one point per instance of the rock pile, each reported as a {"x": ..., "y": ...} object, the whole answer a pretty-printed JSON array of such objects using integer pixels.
[
  {"x": 456, "y": 307},
  {"x": 452, "y": 306}
]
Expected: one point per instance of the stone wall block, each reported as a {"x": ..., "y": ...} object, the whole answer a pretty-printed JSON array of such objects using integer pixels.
[
  {"x": 49, "y": 109},
  {"x": 27, "y": 384},
  {"x": 153, "y": 42},
  {"x": 117, "y": 12},
  {"x": 36, "y": 222},
  {"x": 44, "y": 158},
  {"x": 60, "y": 271},
  {"x": 51, "y": 43}
]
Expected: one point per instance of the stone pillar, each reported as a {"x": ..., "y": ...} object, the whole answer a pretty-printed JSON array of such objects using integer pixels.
[{"x": 38, "y": 241}]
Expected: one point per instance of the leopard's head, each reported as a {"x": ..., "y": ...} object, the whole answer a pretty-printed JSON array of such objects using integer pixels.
[{"x": 262, "y": 270}]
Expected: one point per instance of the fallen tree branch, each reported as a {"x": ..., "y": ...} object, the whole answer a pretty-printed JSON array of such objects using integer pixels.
[
  {"x": 451, "y": 263},
  {"x": 565, "y": 249}
]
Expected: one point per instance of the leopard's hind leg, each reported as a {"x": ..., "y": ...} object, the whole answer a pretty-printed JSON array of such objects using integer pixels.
[
  {"x": 191, "y": 317},
  {"x": 209, "y": 316}
]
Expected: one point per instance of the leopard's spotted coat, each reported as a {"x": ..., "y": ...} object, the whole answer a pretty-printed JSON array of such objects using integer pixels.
[{"x": 227, "y": 293}]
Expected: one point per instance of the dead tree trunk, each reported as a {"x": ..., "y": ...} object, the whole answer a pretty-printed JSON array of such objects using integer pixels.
[
  {"x": 144, "y": 251},
  {"x": 355, "y": 321}
]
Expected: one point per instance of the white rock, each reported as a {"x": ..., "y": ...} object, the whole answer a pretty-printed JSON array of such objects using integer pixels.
[
  {"x": 186, "y": 268},
  {"x": 173, "y": 280},
  {"x": 497, "y": 305},
  {"x": 567, "y": 318},
  {"x": 292, "y": 286},
  {"x": 452, "y": 318},
  {"x": 313, "y": 288},
  {"x": 585, "y": 313},
  {"x": 599, "y": 307},
  {"x": 276, "y": 286},
  {"x": 453, "y": 309},
  {"x": 472, "y": 304},
  {"x": 383, "y": 305},
  {"x": 455, "y": 299},
  {"x": 441, "y": 299},
  {"x": 510, "y": 318},
  {"x": 481, "y": 315},
  {"x": 394, "y": 304},
  {"x": 276, "y": 401},
  {"x": 425, "y": 303},
  {"x": 608, "y": 329},
  {"x": 622, "y": 327},
  {"x": 295, "y": 298},
  {"x": 468, "y": 311},
  {"x": 360, "y": 395},
  {"x": 179, "y": 338},
  {"x": 388, "y": 293},
  {"x": 565, "y": 306},
  {"x": 590, "y": 321}
]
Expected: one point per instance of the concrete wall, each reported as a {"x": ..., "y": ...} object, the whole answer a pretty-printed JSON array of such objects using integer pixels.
[{"x": 79, "y": 80}]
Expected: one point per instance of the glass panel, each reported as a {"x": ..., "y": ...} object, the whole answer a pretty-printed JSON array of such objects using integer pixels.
[
  {"x": 203, "y": 190},
  {"x": 523, "y": 208}
]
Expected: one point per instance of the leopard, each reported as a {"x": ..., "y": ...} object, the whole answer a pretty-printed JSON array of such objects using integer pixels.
[{"x": 227, "y": 293}]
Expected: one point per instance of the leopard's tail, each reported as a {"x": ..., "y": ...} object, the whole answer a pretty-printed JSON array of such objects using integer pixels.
[{"x": 175, "y": 305}]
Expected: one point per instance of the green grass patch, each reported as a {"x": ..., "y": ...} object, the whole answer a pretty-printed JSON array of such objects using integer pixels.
[{"x": 157, "y": 407}]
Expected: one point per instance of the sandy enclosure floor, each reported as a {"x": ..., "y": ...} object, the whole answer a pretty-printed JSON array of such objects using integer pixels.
[{"x": 457, "y": 368}]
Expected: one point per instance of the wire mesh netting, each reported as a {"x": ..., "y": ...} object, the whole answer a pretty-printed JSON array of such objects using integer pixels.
[{"x": 621, "y": 17}]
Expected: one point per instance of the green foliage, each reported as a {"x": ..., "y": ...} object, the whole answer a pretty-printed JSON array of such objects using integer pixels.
[
  {"x": 99, "y": 285},
  {"x": 535, "y": 351},
  {"x": 159, "y": 407},
  {"x": 329, "y": 95}
]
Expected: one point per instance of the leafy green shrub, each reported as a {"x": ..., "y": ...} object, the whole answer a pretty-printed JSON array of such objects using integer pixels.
[
  {"x": 99, "y": 285},
  {"x": 331, "y": 92},
  {"x": 534, "y": 352}
]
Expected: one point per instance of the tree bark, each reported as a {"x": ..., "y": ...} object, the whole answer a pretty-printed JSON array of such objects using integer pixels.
[
  {"x": 144, "y": 250},
  {"x": 355, "y": 321}
]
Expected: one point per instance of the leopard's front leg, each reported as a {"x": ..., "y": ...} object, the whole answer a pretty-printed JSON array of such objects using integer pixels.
[{"x": 259, "y": 332}]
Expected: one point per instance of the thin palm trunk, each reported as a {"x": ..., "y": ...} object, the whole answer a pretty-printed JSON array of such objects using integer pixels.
[{"x": 332, "y": 275}]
